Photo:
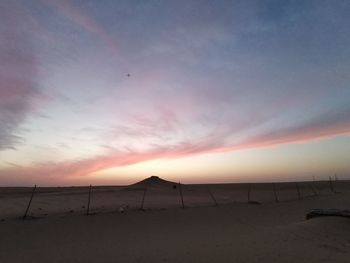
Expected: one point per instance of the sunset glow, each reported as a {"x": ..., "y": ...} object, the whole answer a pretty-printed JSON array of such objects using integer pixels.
[{"x": 109, "y": 92}]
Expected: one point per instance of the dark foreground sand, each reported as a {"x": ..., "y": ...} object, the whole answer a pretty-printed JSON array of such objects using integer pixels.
[{"x": 236, "y": 232}]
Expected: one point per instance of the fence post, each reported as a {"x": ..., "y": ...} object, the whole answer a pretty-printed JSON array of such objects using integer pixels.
[
  {"x": 143, "y": 198},
  {"x": 249, "y": 189},
  {"x": 298, "y": 190},
  {"x": 89, "y": 199},
  {"x": 275, "y": 192},
  {"x": 212, "y": 196},
  {"x": 313, "y": 190},
  {"x": 30, "y": 201},
  {"x": 181, "y": 195},
  {"x": 331, "y": 185},
  {"x": 314, "y": 186}
]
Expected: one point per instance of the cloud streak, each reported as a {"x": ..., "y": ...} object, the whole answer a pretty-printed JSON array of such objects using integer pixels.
[
  {"x": 334, "y": 123},
  {"x": 18, "y": 74},
  {"x": 205, "y": 78}
]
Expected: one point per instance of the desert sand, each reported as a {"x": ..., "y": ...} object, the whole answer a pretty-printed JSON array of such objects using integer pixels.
[{"x": 217, "y": 227}]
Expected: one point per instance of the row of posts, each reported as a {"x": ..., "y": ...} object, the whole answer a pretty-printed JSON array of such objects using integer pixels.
[{"x": 297, "y": 186}]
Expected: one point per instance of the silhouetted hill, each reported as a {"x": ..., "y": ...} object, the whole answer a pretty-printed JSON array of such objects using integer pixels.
[{"x": 154, "y": 181}]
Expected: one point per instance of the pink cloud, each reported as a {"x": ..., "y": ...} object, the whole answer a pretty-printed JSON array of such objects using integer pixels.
[
  {"x": 316, "y": 129},
  {"x": 18, "y": 72}
]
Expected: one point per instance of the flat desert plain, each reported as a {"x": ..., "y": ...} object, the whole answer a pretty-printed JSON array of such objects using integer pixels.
[{"x": 217, "y": 224}]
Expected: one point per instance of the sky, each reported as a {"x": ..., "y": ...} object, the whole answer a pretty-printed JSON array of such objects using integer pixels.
[{"x": 111, "y": 92}]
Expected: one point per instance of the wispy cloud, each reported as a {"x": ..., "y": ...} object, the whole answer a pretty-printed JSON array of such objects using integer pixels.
[
  {"x": 333, "y": 124},
  {"x": 18, "y": 74},
  {"x": 205, "y": 78}
]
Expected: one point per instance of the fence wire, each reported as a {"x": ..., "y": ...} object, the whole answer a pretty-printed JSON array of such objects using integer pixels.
[{"x": 46, "y": 201}]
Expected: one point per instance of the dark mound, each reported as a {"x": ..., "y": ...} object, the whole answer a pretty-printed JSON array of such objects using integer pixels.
[
  {"x": 154, "y": 181},
  {"x": 327, "y": 212}
]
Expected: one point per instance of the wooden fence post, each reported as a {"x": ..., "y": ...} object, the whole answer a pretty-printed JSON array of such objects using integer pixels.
[
  {"x": 314, "y": 185},
  {"x": 181, "y": 195},
  {"x": 331, "y": 185},
  {"x": 212, "y": 197},
  {"x": 30, "y": 201},
  {"x": 313, "y": 189},
  {"x": 89, "y": 199},
  {"x": 275, "y": 192},
  {"x": 249, "y": 190},
  {"x": 298, "y": 190},
  {"x": 143, "y": 198}
]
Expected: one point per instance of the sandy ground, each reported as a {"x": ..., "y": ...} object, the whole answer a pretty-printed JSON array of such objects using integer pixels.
[
  {"x": 231, "y": 232},
  {"x": 51, "y": 201}
]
